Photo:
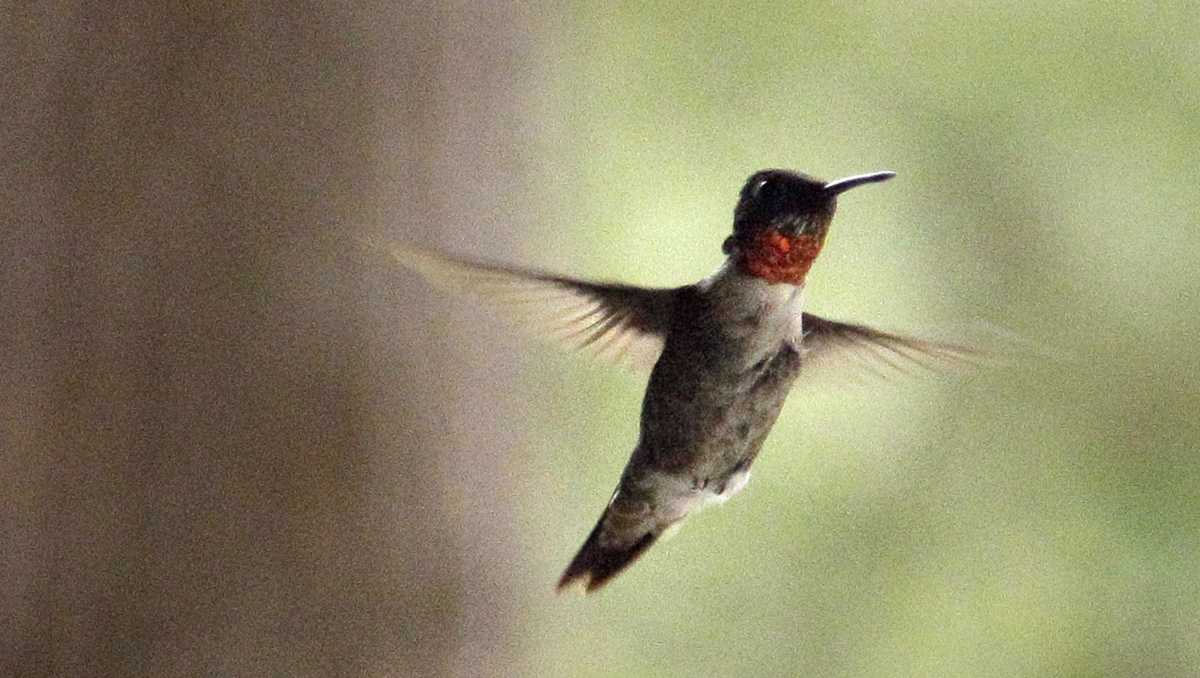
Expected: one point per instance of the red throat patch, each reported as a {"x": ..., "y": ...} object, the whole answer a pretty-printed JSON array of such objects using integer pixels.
[{"x": 779, "y": 258}]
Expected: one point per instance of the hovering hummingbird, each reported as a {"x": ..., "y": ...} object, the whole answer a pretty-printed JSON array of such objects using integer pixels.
[{"x": 723, "y": 352}]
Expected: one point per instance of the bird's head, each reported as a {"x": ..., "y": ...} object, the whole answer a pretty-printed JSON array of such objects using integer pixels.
[{"x": 781, "y": 220}]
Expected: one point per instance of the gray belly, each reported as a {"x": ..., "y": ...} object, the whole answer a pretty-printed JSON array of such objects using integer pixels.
[{"x": 707, "y": 419}]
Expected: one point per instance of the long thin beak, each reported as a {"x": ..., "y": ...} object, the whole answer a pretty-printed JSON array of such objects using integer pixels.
[{"x": 835, "y": 187}]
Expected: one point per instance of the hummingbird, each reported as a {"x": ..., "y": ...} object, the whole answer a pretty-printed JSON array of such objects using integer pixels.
[{"x": 723, "y": 354}]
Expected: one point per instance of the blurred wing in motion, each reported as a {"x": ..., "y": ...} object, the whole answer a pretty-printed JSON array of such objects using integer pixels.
[
  {"x": 828, "y": 342},
  {"x": 620, "y": 323}
]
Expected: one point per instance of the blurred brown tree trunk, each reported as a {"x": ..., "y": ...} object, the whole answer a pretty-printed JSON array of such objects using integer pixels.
[{"x": 195, "y": 477}]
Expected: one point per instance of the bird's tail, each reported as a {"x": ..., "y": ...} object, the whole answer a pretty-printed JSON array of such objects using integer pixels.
[{"x": 605, "y": 555}]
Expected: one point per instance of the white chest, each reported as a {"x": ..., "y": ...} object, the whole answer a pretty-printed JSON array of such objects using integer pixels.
[{"x": 755, "y": 315}]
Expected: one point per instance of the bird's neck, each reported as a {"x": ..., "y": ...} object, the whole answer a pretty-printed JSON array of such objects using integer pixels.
[{"x": 779, "y": 258}]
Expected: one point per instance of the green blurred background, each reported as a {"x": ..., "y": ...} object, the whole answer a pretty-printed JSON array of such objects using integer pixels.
[
  {"x": 320, "y": 466},
  {"x": 1040, "y": 518}
]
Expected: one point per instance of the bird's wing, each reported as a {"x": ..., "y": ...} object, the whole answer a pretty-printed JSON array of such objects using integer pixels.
[
  {"x": 836, "y": 343},
  {"x": 619, "y": 323}
]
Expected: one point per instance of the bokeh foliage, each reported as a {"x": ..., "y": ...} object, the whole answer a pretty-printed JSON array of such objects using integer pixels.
[{"x": 1040, "y": 517}]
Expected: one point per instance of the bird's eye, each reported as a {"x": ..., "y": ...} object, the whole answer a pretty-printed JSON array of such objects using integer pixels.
[{"x": 766, "y": 190}]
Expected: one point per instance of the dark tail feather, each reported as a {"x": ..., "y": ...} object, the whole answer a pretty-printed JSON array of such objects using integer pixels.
[{"x": 595, "y": 565}]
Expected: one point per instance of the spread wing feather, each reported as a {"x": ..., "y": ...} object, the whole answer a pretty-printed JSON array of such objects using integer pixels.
[
  {"x": 619, "y": 323},
  {"x": 837, "y": 343}
]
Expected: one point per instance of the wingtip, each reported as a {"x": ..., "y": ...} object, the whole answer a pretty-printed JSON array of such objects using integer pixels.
[
  {"x": 435, "y": 267},
  {"x": 404, "y": 253},
  {"x": 400, "y": 251}
]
